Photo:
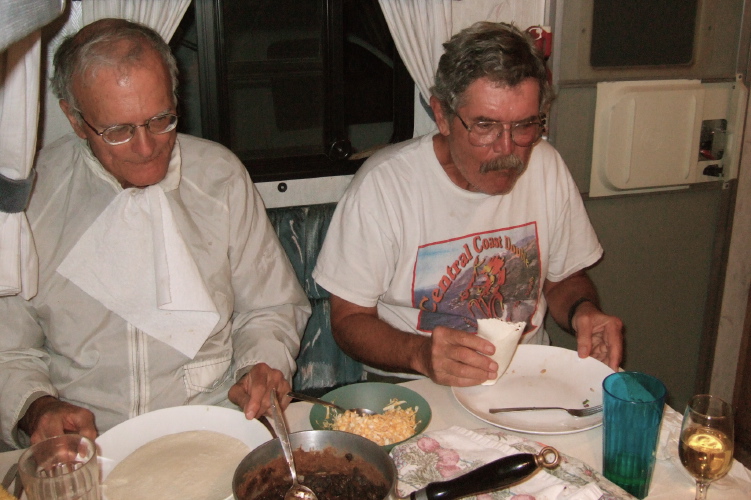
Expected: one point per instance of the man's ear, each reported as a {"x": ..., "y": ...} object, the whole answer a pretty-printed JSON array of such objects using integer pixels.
[
  {"x": 440, "y": 117},
  {"x": 72, "y": 116}
]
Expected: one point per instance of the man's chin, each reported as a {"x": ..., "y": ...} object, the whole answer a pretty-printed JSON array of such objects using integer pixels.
[
  {"x": 144, "y": 179},
  {"x": 499, "y": 183}
]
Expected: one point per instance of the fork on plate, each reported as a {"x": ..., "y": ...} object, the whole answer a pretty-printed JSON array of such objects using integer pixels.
[{"x": 576, "y": 412}]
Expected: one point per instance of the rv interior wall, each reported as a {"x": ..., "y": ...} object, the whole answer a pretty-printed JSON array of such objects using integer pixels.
[
  {"x": 663, "y": 254},
  {"x": 737, "y": 282}
]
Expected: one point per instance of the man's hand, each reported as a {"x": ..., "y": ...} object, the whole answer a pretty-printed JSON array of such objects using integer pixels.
[
  {"x": 598, "y": 335},
  {"x": 252, "y": 393},
  {"x": 457, "y": 358},
  {"x": 48, "y": 417}
]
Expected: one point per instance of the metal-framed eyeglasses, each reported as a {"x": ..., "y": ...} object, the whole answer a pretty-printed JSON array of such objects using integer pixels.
[
  {"x": 124, "y": 132},
  {"x": 524, "y": 133}
]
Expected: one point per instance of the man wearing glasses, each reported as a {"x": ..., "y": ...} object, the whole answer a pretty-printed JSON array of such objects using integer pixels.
[
  {"x": 161, "y": 280},
  {"x": 480, "y": 220}
]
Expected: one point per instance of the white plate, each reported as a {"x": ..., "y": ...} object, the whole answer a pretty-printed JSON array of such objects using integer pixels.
[
  {"x": 540, "y": 376},
  {"x": 123, "y": 439}
]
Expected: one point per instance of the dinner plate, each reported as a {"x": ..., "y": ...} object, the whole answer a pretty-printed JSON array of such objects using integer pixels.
[
  {"x": 540, "y": 376},
  {"x": 123, "y": 439}
]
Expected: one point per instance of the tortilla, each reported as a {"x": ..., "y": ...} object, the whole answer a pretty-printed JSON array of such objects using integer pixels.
[
  {"x": 183, "y": 466},
  {"x": 505, "y": 337}
]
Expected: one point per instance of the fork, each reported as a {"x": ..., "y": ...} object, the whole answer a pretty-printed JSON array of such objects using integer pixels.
[
  {"x": 576, "y": 412},
  {"x": 13, "y": 477},
  {"x": 10, "y": 476}
]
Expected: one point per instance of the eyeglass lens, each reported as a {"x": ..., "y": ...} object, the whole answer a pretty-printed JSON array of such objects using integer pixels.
[
  {"x": 160, "y": 124},
  {"x": 522, "y": 134}
]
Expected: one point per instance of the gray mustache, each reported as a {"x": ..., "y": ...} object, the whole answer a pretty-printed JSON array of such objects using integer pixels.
[{"x": 508, "y": 162}]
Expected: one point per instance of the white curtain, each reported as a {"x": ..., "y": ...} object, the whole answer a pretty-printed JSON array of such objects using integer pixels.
[
  {"x": 161, "y": 15},
  {"x": 19, "y": 18},
  {"x": 523, "y": 13},
  {"x": 419, "y": 29},
  {"x": 19, "y": 110}
]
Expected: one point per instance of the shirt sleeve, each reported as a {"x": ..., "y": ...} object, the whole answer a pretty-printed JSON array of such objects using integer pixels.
[
  {"x": 23, "y": 365},
  {"x": 358, "y": 258},
  {"x": 270, "y": 307},
  {"x": 574, "y": 244}
]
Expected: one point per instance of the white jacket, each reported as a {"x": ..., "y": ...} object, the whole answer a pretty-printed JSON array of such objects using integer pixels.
[{"x": 66, "y": 344}]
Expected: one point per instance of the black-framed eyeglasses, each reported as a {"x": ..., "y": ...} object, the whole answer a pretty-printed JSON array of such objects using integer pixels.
[
  {"x": 523, "y": 134},
  {"x": 122, "y": 133}
]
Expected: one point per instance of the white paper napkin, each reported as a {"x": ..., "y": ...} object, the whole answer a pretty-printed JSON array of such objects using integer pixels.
[
  {"x": 445, "y": 454},
  {"x": 134, "y": 261}
]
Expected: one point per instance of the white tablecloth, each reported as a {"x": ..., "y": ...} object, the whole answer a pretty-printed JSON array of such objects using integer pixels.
[{"x": 670, "y": 481}]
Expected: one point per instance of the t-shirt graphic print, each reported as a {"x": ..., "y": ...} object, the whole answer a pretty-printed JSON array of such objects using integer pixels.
[{"x": 494, "y": 274}]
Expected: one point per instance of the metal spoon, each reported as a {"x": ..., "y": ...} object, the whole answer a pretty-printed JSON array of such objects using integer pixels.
[
  {"x": 297, "y": 490},
  {"x": 311, "y": 399}
]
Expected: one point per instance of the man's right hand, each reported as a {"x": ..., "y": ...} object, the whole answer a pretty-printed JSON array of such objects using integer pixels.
[
  {"x": 48, "y": 417},
  {"x": 448, "y": 356},
  {"x": 457, "y": 358}
]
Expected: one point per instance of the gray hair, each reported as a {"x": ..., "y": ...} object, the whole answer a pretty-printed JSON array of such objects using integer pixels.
[
  {"x": 499, "y": 52},
  {"x": 98, "y": 44}
]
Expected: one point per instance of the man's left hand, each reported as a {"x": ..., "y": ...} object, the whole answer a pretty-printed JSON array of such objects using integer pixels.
[
  {"x": 252, "y": 393},
  {"x": 598, "y": 335}
]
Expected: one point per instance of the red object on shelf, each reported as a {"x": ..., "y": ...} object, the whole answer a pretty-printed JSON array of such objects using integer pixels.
[{"x": 543, "y": 38}]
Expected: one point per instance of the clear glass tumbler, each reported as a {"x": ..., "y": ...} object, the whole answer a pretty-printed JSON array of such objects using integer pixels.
[{"x": 61, "y": 468}]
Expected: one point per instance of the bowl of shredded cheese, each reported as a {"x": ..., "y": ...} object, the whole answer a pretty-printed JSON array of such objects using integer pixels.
[{"x": 401, "y": 412}]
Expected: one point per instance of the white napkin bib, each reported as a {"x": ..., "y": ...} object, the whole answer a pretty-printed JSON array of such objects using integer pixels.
[{"x": 134, "y": 261}]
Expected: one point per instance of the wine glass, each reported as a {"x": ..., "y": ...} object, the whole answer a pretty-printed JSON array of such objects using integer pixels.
[{"x": 706, "y": 447}]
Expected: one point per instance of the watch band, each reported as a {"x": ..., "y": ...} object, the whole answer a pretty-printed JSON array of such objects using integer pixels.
[{"x": 572, "y": 311}]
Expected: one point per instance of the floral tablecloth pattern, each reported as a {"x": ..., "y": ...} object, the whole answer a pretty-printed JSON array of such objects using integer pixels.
[{"x": 442, "y": 455}]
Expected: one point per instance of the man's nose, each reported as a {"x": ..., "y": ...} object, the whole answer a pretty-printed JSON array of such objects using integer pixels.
[
  {"x": 143, "y": 141},
  {"x": 504, "y": 144}
]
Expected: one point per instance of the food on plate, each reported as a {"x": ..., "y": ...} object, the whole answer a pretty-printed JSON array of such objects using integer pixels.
[
  {"x": 505, "y": 337},
  {"x": 331, "y": 476},
  {"x": 395, "y": 424},
  {"x": 182, "y": 466}
]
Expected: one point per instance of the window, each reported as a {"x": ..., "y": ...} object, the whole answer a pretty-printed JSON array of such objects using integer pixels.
[
  {"x": 643, "y": 32},
  {"x": 296, "y": 88}
]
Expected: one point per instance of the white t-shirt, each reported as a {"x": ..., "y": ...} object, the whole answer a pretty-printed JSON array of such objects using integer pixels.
[{"x": 408, "y": 240}]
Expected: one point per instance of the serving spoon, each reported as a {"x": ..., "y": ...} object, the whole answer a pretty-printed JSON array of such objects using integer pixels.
[
  {"x": 311, "y": 399},
  {"x": 297, "y": 490}
]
